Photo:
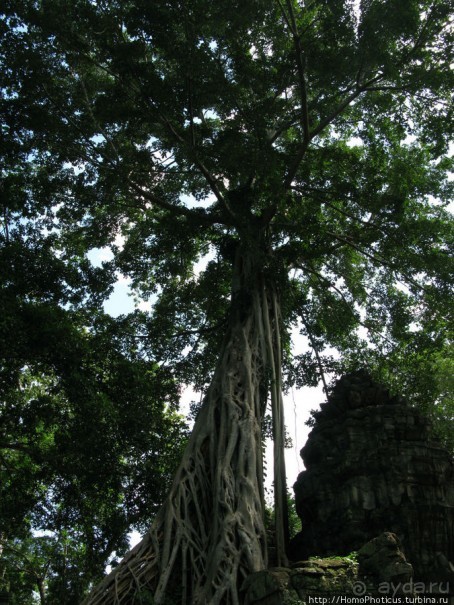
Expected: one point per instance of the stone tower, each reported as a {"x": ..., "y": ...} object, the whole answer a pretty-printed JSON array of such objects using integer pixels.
[{"x": 372, "y": 465}]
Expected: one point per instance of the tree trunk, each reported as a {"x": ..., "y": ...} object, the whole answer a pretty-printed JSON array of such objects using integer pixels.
[
  {"x": 210, "y": 535},
  {"x": 42, "y": 591}
]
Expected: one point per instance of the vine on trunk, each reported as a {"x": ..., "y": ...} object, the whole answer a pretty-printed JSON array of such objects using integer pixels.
[{"x": 210, "y": 535}]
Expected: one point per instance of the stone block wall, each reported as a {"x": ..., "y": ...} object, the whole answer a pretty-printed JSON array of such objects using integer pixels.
[{"x": 372, "y": 465}]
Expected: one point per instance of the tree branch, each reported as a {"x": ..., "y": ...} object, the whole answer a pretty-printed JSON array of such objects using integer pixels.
[
  {"x": 325, "y": 192},
  {"x": 203, "y": 218},
  {"x": 301, "y": 73},
  {"x": 321, "y": 278},
  {"x": 304, "y": 112},
  {"x": 200, "y": 331},
  {"x": 203, "y": 169},
  {"x": 315, "y": 349},
  {"x": 359, "y": 89},
  {"x": 198, "y": 217},
  {"x": 20, "y": 447},
  {"x": 376, "y": 259}
]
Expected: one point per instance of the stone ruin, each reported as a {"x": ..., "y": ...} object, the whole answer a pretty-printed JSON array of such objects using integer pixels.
[
  {"x": 324, "y": 580},
  {"x": 373, "y": 466}
]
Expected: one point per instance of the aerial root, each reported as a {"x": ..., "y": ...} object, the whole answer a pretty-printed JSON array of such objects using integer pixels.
[{"x": 209, "y": 535}]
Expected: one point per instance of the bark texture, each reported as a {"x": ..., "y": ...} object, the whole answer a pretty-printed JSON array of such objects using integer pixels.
[{"x": 209, "y": 535}]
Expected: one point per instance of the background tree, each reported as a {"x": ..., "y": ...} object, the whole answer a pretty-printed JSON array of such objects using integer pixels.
[
  {"x": 89, "y": 435},
  {"x": 301, "y": 149}
]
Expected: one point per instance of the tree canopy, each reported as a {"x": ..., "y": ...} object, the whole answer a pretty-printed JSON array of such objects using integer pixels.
[
  {"x": 90, "y": 435},
  {"x": 255, "y": 167},
  {"x": 89, "y": 430}
]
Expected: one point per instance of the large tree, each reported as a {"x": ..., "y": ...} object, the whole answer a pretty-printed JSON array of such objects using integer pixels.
[
  {"x": 68, "y": 375},
  {"x": 301, "y": 149}
]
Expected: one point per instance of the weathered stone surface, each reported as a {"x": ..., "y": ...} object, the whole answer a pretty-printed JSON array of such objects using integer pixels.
[
  {"x": 373, "y": 466},
  {"x": 314, "y": 578},
  {"x": 381, "y": 560},
  {"x": 266, "y": 587},
  {"x": 381, "y": 572},
  {"x": 324, "y": 577}
]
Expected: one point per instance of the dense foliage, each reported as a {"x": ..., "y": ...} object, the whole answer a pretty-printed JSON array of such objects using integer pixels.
[
  {"x": 89, "y": 436},
  {"x": 275, "y": 161}
]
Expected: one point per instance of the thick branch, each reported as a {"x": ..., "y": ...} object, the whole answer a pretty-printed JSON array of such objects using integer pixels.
[
  {"x": 304, "y": 113},
  {"x": 202, "y": 218},
  {"x": 343, "y": 105},
  {"x": 301, "y": 73},
  {"x": 322, "y": 125},
  {"x": 203, "y": 169}
]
